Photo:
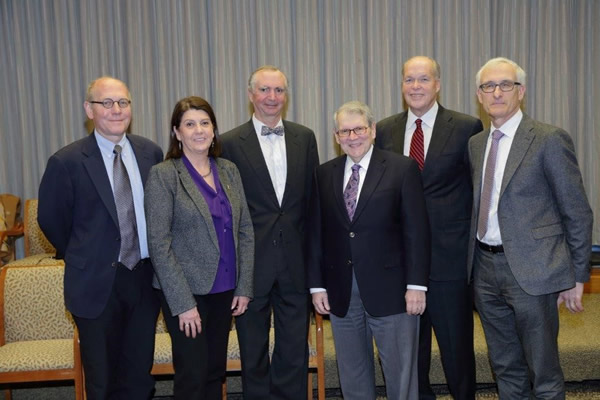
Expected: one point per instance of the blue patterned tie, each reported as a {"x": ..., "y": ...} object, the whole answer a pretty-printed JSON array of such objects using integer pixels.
[
  {"x": 265, "y": 131},
  {"x": 351, "y": 191},
  {"x": 129, "y": 253},
  {"x": 488, "y": 183}
]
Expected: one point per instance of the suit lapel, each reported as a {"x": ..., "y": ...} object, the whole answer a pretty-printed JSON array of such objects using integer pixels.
[
  {"x": 374, "y": 173},
  {"x": 521, "y": 142},
  {"x": 443, "y": 128},
  {"x": 255, "y": 159},
  {"x": 194, "y": 193},
  {"x": 398, "y": 136},
  {"x": 143, "y": 158},
  {"x": 292, "y": 153},
  {"x": 94, "y": 165}
]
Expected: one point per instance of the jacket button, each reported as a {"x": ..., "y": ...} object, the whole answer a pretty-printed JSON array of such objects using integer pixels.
[
  {"x": 274, "y": 242},
  {"x": 349, "y": 262},
  {"x": 114, "y": 264},
  {"x": 352, "y": 234}
]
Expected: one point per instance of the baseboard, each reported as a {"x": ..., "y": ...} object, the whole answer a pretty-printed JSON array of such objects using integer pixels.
[{"x": 593, "y": 286}]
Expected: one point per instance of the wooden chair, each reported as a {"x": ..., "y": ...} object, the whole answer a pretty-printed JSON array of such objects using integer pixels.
[
  {"x": 38, "y": 339},
  {"x": 11, "y": 227},
  {"x": 316, "y": 362},
  {"x": 38, "y": 250}
]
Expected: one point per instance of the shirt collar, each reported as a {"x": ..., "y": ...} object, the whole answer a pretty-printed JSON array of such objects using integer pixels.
[
  {"x": 428, "y": 118},
  {"x": 364, "y": 162},
  {"x": 509, "y": 128},
  {"x": 106, "y": 146}
]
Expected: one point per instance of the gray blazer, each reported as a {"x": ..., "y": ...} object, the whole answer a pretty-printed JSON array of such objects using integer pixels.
[
  {"x": 182, "y": 240},
  {"x": 544, "y": 215}
]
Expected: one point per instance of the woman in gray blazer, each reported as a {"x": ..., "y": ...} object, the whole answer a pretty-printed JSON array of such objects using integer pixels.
[{"x": 201, "y": 243}]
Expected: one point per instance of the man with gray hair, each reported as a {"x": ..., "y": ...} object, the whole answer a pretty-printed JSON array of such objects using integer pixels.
[
  {"x": 276, "y": 159},
  {"x": 369, "y": 254},
  {"x": 530, "y": 239}
]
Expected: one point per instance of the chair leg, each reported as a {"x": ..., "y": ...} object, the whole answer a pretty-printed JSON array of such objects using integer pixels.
[
  {"x": 310, "y": 386},
  {"x": 224, "y": 389},
  {"x": 7, "y": 394}
]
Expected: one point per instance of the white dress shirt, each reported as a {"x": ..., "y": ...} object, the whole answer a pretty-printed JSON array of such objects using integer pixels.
[
  {"x": 273, "y": 149},
  {"x": 509, "y": 129},
  {"x": 137, "y": 188},
  {"x": 428, "y": 120}
]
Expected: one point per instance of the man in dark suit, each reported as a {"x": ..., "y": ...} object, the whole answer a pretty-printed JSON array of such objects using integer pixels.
[
  {"x": 276, "y": 159},
  {"x": 98, "y": 227},
  {"x": 530, "y": 238},
  {"x": 369, "y": 254},
  {"x": 443, "y": 138}
]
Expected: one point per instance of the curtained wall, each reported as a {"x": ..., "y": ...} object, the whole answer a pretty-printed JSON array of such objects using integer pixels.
[{"x": 331, "y": 50}]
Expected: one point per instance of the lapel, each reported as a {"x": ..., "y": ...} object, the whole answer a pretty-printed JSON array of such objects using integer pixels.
[
  {"x": 479, "y": 142},
  {"x": 255, "y": 160},
  {"x": 194, "y": 193},
  {"x": 374, "y": 173},
  {"x": 521, "y": 142},
  {"x": 143, "y": 158},
  {"x": 232, "y": 195},
  {"x": 292, "y": 154},
  {"x": 94, "y": 165},
  {"x": 443, "y": 128}
]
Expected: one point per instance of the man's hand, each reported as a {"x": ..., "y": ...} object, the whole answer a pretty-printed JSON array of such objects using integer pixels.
[
  {"x": 573, "y": 298},
  {"x": 321, "y": 302},
  {"x": 415, "y": 302}
]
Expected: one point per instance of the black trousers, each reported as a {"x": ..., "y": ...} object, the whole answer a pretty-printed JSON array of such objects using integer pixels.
[
  {"x": 117, "y": 347},
  {"x": 200, "y": 363}
]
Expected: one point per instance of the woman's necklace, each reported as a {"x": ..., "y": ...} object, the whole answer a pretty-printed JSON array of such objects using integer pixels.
[{"x": 207, "y": 174}]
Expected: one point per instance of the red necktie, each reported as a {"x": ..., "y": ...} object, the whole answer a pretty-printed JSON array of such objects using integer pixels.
[{"x": 417, "y": 147}]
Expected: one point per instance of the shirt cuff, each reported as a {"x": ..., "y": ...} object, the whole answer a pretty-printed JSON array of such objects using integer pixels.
[
  {"x": 317, "y": 290},
  {"x": 415, "y": 287}
]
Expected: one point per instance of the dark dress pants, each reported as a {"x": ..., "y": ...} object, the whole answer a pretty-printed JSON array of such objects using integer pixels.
[
  {"x": 285, "y": 376},
  {"x": 450, "y": 312},
  {"x": 117, "y": 347},
  {"x": 521, "y": 332},
  {"x": 200, "y": 363}
]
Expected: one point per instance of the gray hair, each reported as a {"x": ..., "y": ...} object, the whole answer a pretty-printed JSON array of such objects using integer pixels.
[
  {"x": 354, "y": 107},
  {"x": 252, "y": 79},
  {"x": 521, "y": 75}
]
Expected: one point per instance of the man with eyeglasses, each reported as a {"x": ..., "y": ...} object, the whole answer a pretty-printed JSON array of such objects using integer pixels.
[
  {"x": 91, "y": 208},
  {"x": 530, "y": 239},
  {"x": 369, "y": 251},
  {"x": 437, "y": 138},
  {"x": 276, "y": 159}
]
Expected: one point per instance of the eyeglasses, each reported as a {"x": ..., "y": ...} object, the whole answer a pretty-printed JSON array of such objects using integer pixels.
[
  {"x": 505, "y": 86},
  {"x": 108, "y": 103},
  {"x": 358, "y": 131}
]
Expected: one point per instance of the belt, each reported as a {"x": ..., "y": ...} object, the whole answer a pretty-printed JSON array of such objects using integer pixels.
[{"x": 492, "y": 249}]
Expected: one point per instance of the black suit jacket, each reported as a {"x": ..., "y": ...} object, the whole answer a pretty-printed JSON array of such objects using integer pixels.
[
  {"x": 77, "y": 213},
  {"x": 446, "y": 184},
  {"x": 387, "y": 243},
  {"x": 275, "y": 226}
]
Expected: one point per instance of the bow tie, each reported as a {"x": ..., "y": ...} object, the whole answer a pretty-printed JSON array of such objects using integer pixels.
[{"x": 278, "y": 130}]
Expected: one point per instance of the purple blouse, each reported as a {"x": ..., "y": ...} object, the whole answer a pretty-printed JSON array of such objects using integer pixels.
[{"x": 220, "y": 209}]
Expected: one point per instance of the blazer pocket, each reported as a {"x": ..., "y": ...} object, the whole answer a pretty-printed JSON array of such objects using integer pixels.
[
  {"x": 546, "y": 231},
  {"x": 75, "y": 261}
]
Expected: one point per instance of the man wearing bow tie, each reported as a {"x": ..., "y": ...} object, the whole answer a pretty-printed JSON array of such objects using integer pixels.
[{"x": 276, "y": 159}]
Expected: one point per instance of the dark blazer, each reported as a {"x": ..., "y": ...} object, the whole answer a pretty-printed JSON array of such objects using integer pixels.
[
  {"x": 387, "y": 244},
  {"x": 182, "y": 239},
  {"x": 77, "y": 213},
  {"x": 544, "y": 215},
  {"x": 275, "y": 226},
  {"x": 446, "y": 184}
]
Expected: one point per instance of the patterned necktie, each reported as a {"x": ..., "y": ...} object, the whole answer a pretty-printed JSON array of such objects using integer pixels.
[
  {"x": 351, "y": 191},
  {"x": 417, "y": 146},
  {"x": 265, "y": 131},
  {"x": 488, "y": 183},
  {"x": 129, "y": 253}
]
